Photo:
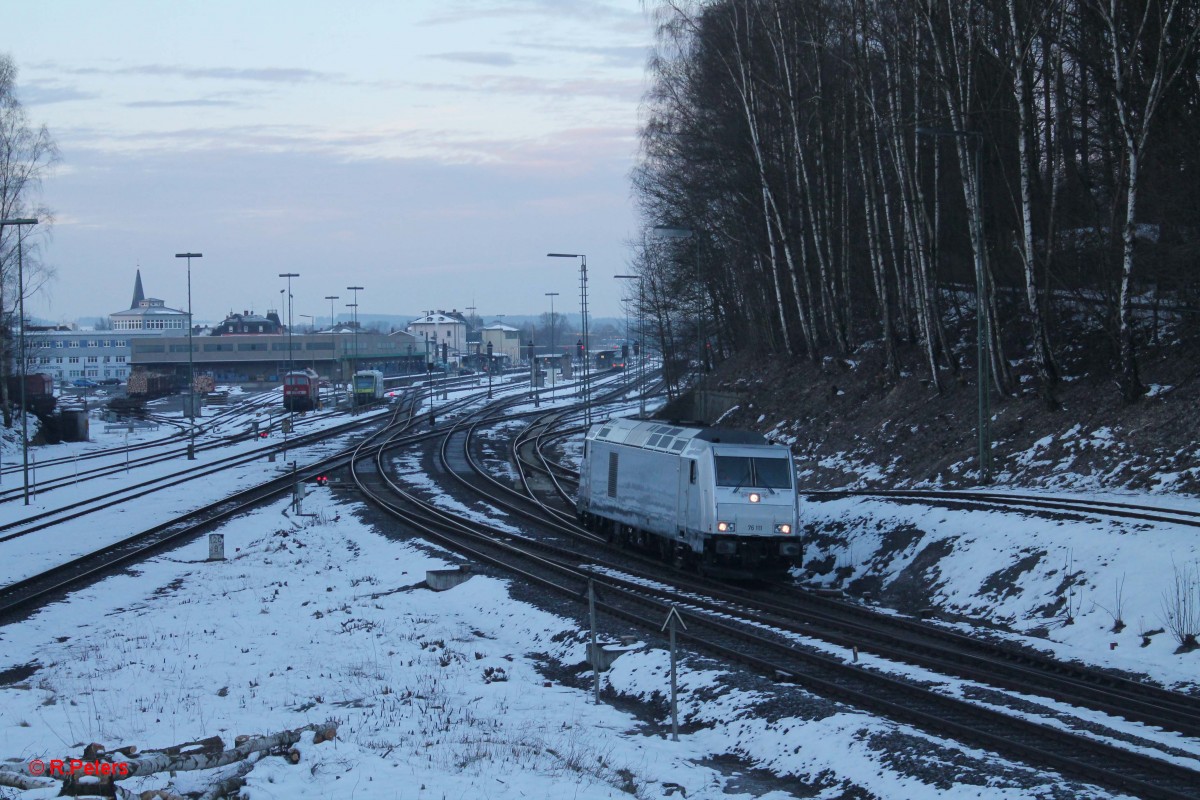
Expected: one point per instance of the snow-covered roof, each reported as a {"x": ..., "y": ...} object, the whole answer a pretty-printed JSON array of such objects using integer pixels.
[
  {"x": 149, "y": 307},
  {"x": 438, "y": 318}
]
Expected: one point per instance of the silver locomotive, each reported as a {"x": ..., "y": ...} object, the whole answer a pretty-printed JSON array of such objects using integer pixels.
[{"x": 719, "y": 500}]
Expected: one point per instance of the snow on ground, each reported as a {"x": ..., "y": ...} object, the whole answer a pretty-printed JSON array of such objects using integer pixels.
[
  {"x": 1061, "y": 582},
  {"x": 438, "y": 695},
  {"x": 30, "y": 554},
  {"x": 472, "y": 693}
]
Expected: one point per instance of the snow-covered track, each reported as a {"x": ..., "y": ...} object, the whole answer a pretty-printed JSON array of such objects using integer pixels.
[
  {"x": 29, "y": 592},
  {"x": 1048, "y": 505},
  {"x": 772, "y": 645}
]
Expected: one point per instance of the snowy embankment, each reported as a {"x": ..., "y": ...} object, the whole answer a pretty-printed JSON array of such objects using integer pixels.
[
  {"x": 1104, "y": 591},
  {"x": 465, "y": 693}
]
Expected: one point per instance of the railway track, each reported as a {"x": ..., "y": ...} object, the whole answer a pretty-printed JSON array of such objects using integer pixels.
[
  {"x": 148, "y": 459},
  {"x": 946, "y": 653},
  {"x": 28, "y": 593},
  {"x": 1035, "y": 503}
]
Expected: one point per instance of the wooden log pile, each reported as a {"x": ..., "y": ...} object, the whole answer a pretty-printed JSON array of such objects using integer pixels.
[{"x": 98, "y": 772}]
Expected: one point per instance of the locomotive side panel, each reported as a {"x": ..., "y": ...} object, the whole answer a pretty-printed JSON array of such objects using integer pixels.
[{"x": 633, "y": 487}]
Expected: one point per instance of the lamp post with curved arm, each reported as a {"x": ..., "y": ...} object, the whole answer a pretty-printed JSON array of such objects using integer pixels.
[
  {"x": 191, "y": 451},
  {"x": 19, "y": 223},
  {"x": 354, "y": 305},
  {"x": 333, "y": 338}
]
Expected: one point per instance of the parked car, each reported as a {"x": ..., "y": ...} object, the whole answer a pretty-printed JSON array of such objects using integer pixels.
[
  {"x": 84, "y": 383},
  {"x": 110, "y": 382}
]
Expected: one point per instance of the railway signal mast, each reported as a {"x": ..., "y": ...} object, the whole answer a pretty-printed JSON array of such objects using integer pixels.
[{"x": 587, "y": 388}]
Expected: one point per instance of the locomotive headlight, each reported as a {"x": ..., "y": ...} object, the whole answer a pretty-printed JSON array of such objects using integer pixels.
[
  {"x": 725, "y": 527},
  {"x": 755, "y": 497},
  {"x": 783, "y": 528}
]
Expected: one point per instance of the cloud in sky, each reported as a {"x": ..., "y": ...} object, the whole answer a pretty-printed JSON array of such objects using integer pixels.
[
  {"x": 493, "y": 59},
  {"x": 195, "y": 102},
  {"x": 398, "y": 227},
  {"x": 261, "y": 74},
  {"x": 399, "y": 144}
]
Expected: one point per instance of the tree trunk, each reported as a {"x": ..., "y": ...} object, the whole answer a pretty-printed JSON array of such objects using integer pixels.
[{"x": 1022, "y": 94}]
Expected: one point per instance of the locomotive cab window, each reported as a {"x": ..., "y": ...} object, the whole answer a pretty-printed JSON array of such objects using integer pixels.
[
  {"x": 732, "y": 471},
  {"x": 692, "y": 471},
  {"x": 765, "y": 473},
  {"x": 772, "y": 473}
]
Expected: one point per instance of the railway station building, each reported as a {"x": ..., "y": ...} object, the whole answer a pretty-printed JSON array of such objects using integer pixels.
[
  {"x": 264, "y": 358},
  {"x": 442, "y": 332}
]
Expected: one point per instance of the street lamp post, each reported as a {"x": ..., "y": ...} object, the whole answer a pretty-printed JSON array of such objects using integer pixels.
[
  {"x": 587, "y": 390},
  {"x": 191, "y": 451},
  {"x": 333, "y": 338},
  {"x": 289, "y": 276},
  {"x": 981, "y": 305},
  {"x": 19, "y": 223},
  {"x": 354, "y": 305},
  {"x": 671, "y": 232},
  {"x": 641, "y": 336},
  {"x": 429, "y": 377},
  {"x": 312, "y": 327},
  {"x": 553, "y": 343},
  {"x": 490, "y": 370}
]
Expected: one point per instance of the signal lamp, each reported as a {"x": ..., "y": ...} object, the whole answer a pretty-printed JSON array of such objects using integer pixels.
[{"x": 755, "y": 497}]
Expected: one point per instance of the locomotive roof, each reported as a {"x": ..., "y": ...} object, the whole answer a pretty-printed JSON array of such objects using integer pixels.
[{"x": 670, "y": 436}]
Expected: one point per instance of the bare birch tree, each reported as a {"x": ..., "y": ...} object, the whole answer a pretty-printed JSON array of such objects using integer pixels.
[
  {"x": 26, "y": 154},
  {"x": 1148, "y": 43}
]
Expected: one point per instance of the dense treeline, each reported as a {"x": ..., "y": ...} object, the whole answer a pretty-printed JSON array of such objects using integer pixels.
[{"x": 851, "y": 169}]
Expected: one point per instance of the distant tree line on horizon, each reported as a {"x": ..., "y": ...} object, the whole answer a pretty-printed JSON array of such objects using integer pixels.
[{"x": 825, "y": 156}]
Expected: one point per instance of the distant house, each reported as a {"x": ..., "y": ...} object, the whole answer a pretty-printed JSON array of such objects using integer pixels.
[
  {"x": 504, "y": 339},
  {"x": 444, "y": 331},
  {"x": 250, "y": 323}
]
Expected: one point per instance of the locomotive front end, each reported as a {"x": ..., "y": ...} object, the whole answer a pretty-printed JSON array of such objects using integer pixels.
[{"x": 756, "y": 527}]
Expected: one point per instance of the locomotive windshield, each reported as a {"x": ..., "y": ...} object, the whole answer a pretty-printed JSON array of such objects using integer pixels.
[{"x": 763, "y": 473}]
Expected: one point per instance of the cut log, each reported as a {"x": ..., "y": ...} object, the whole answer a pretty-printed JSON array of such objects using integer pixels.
[
  {"x": 20, "y": 780},
  {"x": 152, "y": 762},
  {"x": 213, "y": 744},
  {"x": 230, "y": 783}
]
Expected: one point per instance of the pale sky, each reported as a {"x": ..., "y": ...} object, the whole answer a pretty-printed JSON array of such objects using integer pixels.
[{"x": 432, "y": 151}]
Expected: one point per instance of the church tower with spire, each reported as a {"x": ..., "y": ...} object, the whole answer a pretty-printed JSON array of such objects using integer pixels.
[
  {"x": 147, "y": 313},
  {"x": 138, "y": 294}
]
